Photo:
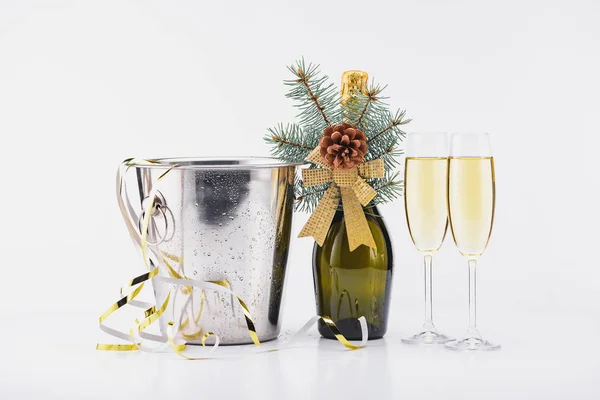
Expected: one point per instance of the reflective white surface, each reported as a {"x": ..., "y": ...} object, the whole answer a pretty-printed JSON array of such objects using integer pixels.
[{"x": 49, "y": 365}]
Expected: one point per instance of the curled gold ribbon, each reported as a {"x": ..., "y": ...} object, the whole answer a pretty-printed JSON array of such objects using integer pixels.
[
  {"x": 338, "y": 335},
  {"x": 139, "y": 280},
  {"x": 354, "y": 191},
  {"x": 180, "y": 348},
  {"x": 152, "y": 314}
]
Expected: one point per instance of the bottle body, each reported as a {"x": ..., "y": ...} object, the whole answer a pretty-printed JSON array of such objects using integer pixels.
[{"x": 348, "y": 284}]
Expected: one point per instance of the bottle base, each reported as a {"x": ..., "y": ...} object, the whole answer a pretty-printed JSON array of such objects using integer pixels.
[{"x": 350, "y": 328}]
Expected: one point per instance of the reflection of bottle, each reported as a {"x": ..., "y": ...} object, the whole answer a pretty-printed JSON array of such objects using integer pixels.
[
  {"x": 285, "y": 200},
  {"x": 358, "y": 283},
  {"x": 218, "y": 194}
]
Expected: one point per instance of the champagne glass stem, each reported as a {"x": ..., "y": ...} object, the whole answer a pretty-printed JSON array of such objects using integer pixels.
[
  {"x": 472, "y": 331},
  {"x": 427, "y": 263},
  {"x": 428, "y": 334}
]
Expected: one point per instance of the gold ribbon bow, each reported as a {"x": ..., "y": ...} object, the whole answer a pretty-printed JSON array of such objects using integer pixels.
[{"x": 354, "y": 191}]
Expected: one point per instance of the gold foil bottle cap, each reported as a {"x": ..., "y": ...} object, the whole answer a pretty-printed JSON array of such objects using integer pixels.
[{"x": 353, "y": 82}]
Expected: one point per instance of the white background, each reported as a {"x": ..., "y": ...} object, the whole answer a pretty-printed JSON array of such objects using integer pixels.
[{"x": 84, "y": 85}]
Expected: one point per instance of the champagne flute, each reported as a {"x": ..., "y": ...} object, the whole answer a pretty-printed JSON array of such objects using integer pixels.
[
  {"x": 471, "y": 203},
  {"x": 425, "y": 180}
]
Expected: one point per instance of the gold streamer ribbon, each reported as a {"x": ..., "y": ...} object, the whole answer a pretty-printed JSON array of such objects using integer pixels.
[
  {"x": 354, "y": 191},
  {"x": 139, "y": 280},
  {"x": 151, "y": 313}
]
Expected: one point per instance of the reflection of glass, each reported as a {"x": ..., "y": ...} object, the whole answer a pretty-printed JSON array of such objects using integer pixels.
[
  {"x": 425, "y": 180},
  {"x": 471, "y": 203}
]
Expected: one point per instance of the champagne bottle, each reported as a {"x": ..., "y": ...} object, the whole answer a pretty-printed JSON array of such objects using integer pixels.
[{"x": 349, "y": 284}]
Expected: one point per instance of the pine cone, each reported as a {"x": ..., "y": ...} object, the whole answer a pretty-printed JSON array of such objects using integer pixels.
[{"x": 343, "y": 146}]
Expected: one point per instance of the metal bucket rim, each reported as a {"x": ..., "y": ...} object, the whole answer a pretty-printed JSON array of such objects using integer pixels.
[{"x": 209, "y": 163}]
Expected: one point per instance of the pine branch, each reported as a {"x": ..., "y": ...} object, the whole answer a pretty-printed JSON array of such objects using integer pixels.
[
  {"x": 394, "y": 122},
  {"x": 372, "y": 97},
  {"x": 280, "y": 141},
  {"x": 363, "y": 107},
  {"x": 291, "y": 143},
  {"x": 385, "y": 133},
  {"x": 317, "y": 99},
  {"x": 390, "y": 158},
  {"x": 388, "y": 188},
  {"x": 284, "y": 142},
  {"x": 307, "y": 198},
  {"x": 304, "y": 79}
]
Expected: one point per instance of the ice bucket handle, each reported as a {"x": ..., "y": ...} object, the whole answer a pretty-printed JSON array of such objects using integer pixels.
[
  {"x": 127, "y": 211},
  {"x": 132, "y": 219},
  {"x": 158, "y": 206}
]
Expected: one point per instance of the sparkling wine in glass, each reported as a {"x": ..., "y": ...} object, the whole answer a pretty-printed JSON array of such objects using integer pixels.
[
  {"x": 471, "y": 203},
  {"x": 425, "y": 181}
]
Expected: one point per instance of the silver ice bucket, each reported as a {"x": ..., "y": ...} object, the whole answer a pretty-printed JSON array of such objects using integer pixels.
[{"x": 223, "y": 220}]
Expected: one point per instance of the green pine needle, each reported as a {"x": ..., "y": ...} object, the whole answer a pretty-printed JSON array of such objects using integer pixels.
[
  {"x": 363, "y": 108},
  {"x": 388, "y": 188},
  {"x": 291, "y": 144},
  {"x": 318, "y": 100},
  {"x": 307, "y": 198}
]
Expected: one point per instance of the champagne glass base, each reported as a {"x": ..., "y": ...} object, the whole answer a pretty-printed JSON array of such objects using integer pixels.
[
  {"x": 427, "y": 337},
  {"x": 470, "y": 344}
]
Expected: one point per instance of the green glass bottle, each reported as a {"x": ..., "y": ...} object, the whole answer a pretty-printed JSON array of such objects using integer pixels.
[{"x": 352, "y": 284}]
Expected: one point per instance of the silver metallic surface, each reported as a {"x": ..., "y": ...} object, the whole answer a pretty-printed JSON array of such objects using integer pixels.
[{"x": 224, "y": 220}]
